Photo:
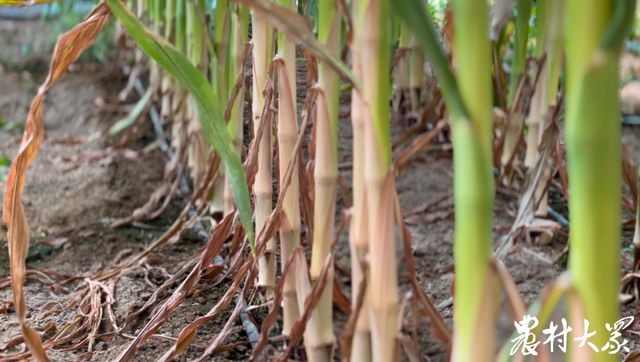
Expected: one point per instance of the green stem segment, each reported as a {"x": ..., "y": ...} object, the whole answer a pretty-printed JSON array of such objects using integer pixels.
[
  {"x": 519, "y": 60},
  {"x": 220, "y": 74},
  {"x": 593, "y": 134},
  {"x": 469, "y": 102},
  {"x": 239, "y": 36},
  {"x": 474, "y": 338}
]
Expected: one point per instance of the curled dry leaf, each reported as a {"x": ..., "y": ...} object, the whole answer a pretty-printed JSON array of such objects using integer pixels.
[{"x": 67, "y": 50}]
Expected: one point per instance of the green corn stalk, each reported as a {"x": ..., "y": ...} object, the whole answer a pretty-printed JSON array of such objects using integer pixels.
[
  {"x": 474, "y": 337},
  {"x": 239, "y": 36},
  {"x": 158, "y": 5},
  {"x": 518, "y": 64},
  {"x": 220, "y": 76},
  {"x": 595, "y": 34},
  {"x": 180, "y": 24},
  {"x": 190, "y": 14},
  {"x": 325, "y": 177},
  {"x": 169, "y": 16},
  {"x": 469, "y": 100},
  {"x": 373, "y": 32}
]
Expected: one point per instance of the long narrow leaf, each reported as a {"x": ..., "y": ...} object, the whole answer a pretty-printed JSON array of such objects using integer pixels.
[{"x": 207, "y": 101}]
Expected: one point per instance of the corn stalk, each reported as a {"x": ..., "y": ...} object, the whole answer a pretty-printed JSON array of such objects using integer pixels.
[
  {"x": 535, "y": 110},
  {"x": 595, "y": 33},
  {"x": 518, "y": 64},
  {"x": 262, "y": 34},
  {"x": 325, "y": 178},
  {"x": 373, "y": 33},
  {"x": 549, "y": 87},
  {"x": 474, "y": 295},
  {"x": 220, "y": 75},
  {"x": 469, "y": 101},
  {"x": 287, "y": 137},
  {"x": 358, "y": 232},
  {"x": 239, "y": 36}
]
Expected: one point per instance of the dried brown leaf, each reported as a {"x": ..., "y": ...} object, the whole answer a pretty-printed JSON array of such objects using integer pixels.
[
  {"x": 159, "y": 318},
  {"x": 68, "y": 49}
]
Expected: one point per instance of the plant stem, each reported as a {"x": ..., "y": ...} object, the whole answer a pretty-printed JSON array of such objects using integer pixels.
[
  {"x": 358, "y": 232},
  {"x": 593, "y": 133},
  {"x": 239, "y": 35},
  {"x": 220, "y": 75},
  {"x": 287, "y": 137},
  {"x": 383, "y": 282},
  {"x": 514, "y": 130},
  {"x": 474, "y": 295},
  {"x": 549, "y": 94},
  {"x": 536, "y": 112},
  {"x": 325, "y": 178},
  {"x": 263, "y": 187}
]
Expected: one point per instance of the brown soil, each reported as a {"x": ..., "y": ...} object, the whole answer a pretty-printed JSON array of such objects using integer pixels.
[{"x": 62, "y": 204}]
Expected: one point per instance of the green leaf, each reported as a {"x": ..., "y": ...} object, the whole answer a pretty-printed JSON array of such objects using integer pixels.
[
  {"x": 10, "y": 126},
  {"x": 206, "y": 99},
  {"x": 5, "y": 164},
  {"x": 133, "y": 114},
  {"x": 5, "y": 161}
]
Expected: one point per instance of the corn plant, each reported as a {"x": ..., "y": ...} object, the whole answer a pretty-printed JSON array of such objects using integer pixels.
[
  {"x": 595, "y": 34},
  {"x": 373, "y": 28},
  {"x": 468, "y": 97},
  {"x": 358, "y": 231},
  {"x": 262, "y": 53},
  {"x": 518, "y": 66},
  {"x": 325, "y": 177},
  {"x": 287, "y": 137}
]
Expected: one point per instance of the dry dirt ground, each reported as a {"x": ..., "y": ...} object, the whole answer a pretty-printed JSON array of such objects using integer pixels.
[{"x": 59, "y": 203}]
